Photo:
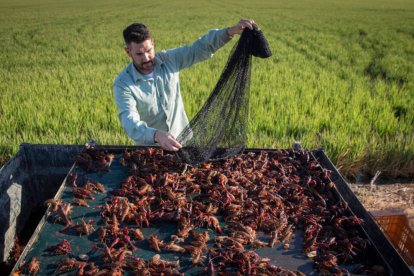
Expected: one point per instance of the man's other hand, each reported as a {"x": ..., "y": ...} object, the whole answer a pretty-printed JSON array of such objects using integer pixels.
[
  {"x": 239, "y": 27},
  {"x": 166, "y": 141}
]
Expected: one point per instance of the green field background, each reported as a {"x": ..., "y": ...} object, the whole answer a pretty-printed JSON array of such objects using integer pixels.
[{"x": 341, "y": 76}]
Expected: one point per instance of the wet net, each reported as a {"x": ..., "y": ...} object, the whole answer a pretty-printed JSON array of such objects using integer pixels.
[{"x": 219, "y": 129}]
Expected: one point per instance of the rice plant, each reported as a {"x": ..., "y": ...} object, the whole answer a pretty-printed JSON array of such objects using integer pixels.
[{"x": 341, "y": 75}]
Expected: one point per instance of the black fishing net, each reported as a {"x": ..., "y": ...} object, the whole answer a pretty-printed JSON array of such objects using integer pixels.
[{"x": 219, "y": 129}]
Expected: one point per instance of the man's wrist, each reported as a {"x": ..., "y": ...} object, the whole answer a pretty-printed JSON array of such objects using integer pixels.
[
  {"x": 229, "y": 33},
  {"x": 155, "y": 136}
]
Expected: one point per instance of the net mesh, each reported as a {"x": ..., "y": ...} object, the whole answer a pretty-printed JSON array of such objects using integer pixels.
[{"x": 219, "y": 129}]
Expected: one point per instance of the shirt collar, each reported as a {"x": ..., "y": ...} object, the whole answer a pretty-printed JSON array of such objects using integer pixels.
[{"x": 136, "y": 75}]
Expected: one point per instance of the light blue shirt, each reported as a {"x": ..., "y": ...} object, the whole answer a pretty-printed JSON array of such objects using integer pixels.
[{"x": 149, "y": 103}]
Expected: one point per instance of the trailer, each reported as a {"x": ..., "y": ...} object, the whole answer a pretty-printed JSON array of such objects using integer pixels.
[{"x": 37, "y": 173}]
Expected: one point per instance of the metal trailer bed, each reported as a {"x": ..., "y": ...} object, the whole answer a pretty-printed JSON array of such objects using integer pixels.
[{"x": 47, "y": 234}]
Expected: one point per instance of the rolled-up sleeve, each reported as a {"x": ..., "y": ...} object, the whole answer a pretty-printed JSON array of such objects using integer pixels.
[
  {"x": 130, "y": 120},
  {"x": 202, "y": 49}
]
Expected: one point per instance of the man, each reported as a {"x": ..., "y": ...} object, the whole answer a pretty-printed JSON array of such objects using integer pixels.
[{"x": 147, "y": 91}]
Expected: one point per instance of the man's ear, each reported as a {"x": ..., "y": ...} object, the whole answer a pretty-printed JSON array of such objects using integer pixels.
[{"x": 127, "y": 51}]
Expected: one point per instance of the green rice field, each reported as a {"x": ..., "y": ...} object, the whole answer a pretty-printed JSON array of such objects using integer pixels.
[{"x": 341, "y": 76}]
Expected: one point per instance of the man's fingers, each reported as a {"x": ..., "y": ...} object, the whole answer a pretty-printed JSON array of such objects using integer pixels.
[
  {"x": 174, "y": 149},
  {"x": 175, "y": 144},
  {"x": 171, "y": 144},
  {"x": 246, "y": 23},
  {"x": 168, "y": 146},
  {"x": 249, "y": 25}
]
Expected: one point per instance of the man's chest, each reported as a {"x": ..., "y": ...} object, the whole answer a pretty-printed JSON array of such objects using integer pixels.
[{"x": 156, "y": 94}]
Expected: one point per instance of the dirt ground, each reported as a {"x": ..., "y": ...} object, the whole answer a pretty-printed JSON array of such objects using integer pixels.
[{"x": 387, "y": 195}]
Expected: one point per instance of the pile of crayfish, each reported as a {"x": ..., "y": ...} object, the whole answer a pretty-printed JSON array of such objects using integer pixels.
[{"x": 275, "y": 193}]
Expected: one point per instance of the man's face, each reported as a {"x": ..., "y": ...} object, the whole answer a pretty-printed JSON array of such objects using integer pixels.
[{"x": 143, "y": 55}]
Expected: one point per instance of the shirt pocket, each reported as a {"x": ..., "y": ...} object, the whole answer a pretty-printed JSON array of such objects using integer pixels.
[
  {"x": 147, "y": 103},
  {"x": 171, "y": 90}
]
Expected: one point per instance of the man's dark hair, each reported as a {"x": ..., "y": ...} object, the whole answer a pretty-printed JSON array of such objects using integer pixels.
[{"x": 137, "y": 33}]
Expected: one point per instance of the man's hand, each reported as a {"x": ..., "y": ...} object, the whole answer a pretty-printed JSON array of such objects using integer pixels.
[
  {"x": 166, "y": 141},
  {"x": 239, "y": 27}
]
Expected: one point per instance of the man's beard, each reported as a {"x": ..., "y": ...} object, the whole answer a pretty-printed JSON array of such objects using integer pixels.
[
  {"x": 143, "y": 67},
  {"x": 145, "y": 64}
]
